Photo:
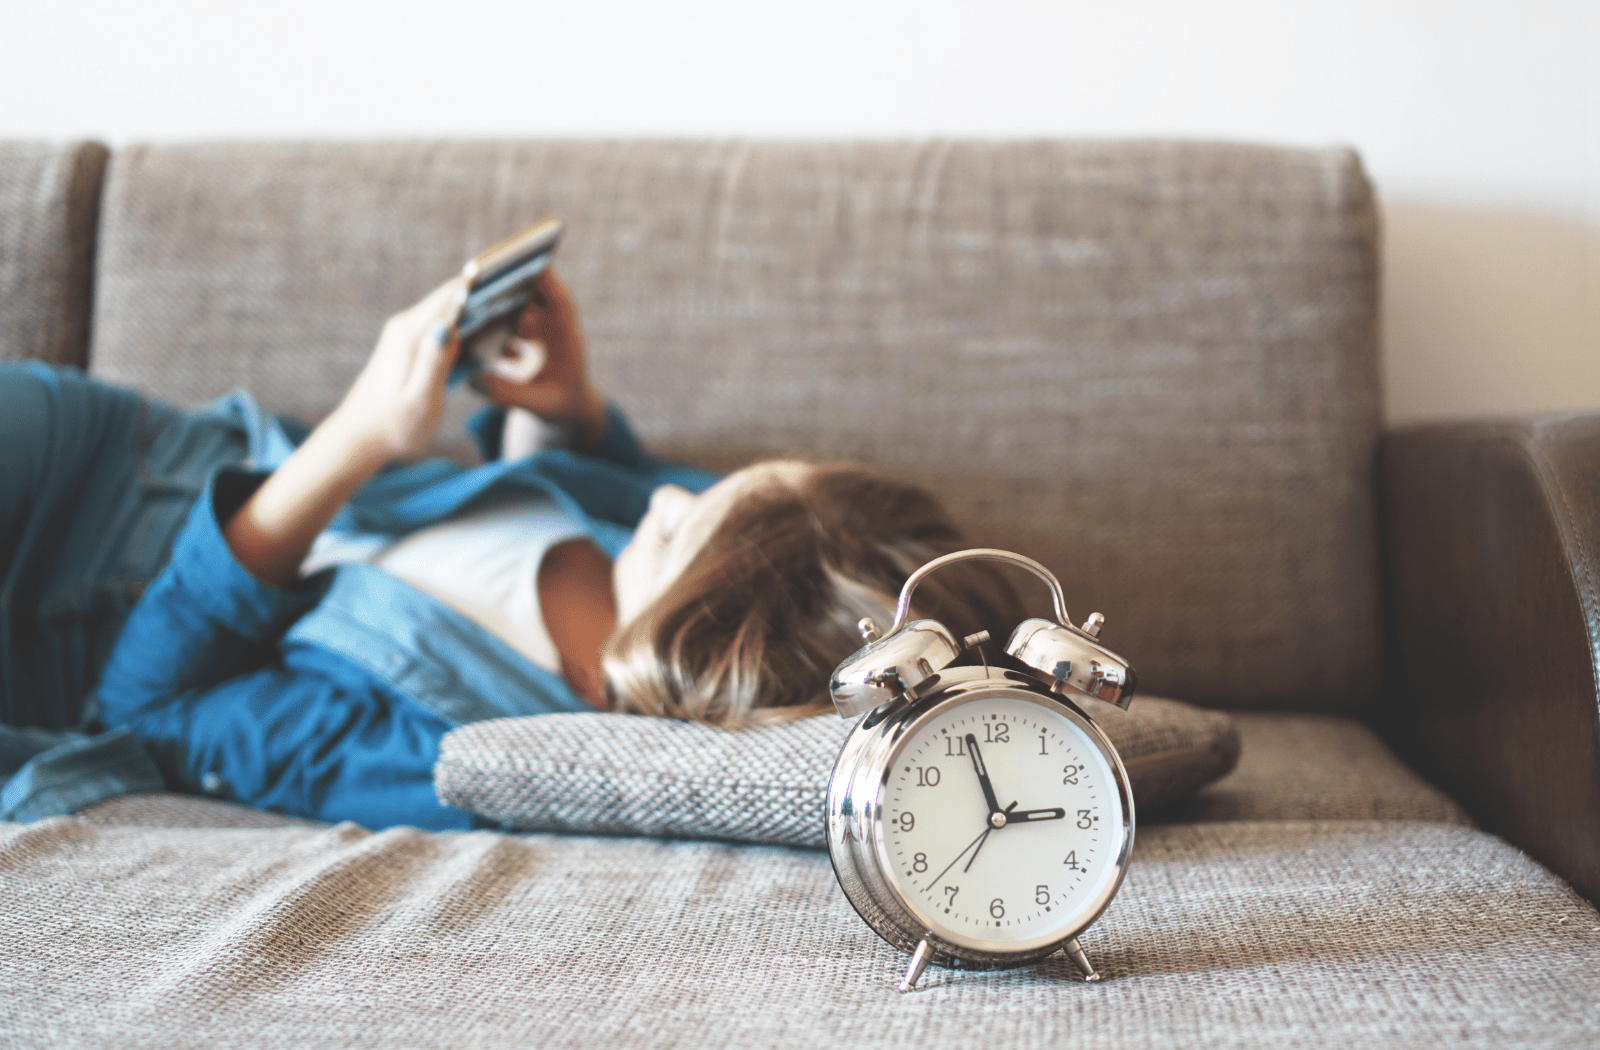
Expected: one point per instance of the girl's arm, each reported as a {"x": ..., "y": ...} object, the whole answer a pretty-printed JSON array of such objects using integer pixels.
[
  {"x": 197, "y": 672},
  {"x": 390, "y": 411}
]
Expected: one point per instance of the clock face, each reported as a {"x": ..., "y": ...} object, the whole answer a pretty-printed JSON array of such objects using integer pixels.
[{"x": 1027, "y": 856}]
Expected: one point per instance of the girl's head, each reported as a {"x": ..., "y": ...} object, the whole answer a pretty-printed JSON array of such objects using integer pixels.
[{"x": 736, "y": 605}]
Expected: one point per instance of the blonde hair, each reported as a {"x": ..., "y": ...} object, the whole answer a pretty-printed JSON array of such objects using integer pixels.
[{"x": 754, "y": 625}]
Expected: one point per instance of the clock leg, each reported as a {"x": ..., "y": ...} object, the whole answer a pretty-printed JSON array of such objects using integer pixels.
[
  {"x": 1075, "y": 951},
  {"x": 919, "y": 961}
]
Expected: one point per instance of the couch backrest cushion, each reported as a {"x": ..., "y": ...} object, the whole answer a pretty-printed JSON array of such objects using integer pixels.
[
  {"x": 49, "y": 203},
  {"x": 1150, "y": 365}
]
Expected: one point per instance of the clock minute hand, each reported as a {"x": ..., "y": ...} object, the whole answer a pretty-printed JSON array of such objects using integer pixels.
[
  {"x": 1034, "y": 815},
  {"x": 983, "y": 776}
]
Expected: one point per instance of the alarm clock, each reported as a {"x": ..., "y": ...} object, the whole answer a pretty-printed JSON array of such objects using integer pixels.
[{"x": 978, "y": 818}]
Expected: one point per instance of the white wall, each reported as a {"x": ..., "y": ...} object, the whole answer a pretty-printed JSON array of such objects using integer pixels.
[{"x": 1478, "y": 119}]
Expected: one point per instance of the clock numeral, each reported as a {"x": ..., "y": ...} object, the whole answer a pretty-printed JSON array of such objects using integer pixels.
[
  {"x": 996, "y": 733},
  {"x": 1042, "y": 751},
  {"x": 952, "y": 891},
  {"x": 919, "y": 863},
  {"x": 1041, "y": 894},
  {"x": 927, "y": 776},
  {"x": 907, "y": 821},
  {"x": 1072, "y": 862},
  {"x": 954, "y": 748},
  {"x": 1070, "y": 774},
  {"x": 1085, "y": 821},
  {"x": 997, "y": 908}
]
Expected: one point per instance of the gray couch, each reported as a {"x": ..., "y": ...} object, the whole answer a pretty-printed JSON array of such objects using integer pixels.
[{"x": 1152, "y": 365}]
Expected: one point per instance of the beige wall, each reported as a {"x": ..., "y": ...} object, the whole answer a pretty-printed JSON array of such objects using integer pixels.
[
  {"x": 1479, "y": 120},
  {"x": 1489, "y": 309}
]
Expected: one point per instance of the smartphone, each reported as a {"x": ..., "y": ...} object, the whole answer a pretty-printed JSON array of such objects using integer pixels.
[{"x": 500, "y": 285}]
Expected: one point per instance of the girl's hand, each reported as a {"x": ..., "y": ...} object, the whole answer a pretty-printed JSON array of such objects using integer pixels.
[
  {"x": 394, "y": 405},
  {"x": 560, "y": 392},
  {"x": 391, "y": 410}
]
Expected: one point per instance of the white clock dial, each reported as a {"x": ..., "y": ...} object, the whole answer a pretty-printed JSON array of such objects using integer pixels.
[{"x": 1026, "y": 857}]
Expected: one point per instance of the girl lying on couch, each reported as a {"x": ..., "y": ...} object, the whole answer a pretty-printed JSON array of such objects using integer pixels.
[{"x": 293, "y": 620}]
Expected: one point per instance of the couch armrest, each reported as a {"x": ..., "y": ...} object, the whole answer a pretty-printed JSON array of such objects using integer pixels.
[
  {"x": 49, "y": 208},
  {"x": 1493, "y": 530}
]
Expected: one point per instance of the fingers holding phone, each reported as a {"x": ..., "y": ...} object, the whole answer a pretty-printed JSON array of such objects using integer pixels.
[
  {"x": 550, "y": 326},
  {"x": 542, "y": 366},
  {"x": 519, "y": 347},
  {"x": 502, "y": 282},
  {"x": 522, "y": 347},
  {"x": 397, "y": 399}
]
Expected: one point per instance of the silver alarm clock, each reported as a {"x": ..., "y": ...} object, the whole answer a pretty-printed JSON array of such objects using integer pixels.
[{"x": 977, "y": 816}]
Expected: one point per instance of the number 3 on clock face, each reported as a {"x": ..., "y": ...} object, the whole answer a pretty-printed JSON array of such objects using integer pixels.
[{"x": 1000, "y": 821}]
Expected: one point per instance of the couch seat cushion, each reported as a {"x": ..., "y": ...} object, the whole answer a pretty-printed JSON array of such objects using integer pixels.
[
  {"x": 1249, "y": 934},
  {"x": 165, "y": 809},
  {"x": 1313, "y": 767}
]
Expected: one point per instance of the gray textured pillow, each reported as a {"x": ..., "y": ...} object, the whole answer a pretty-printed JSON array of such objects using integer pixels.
[{"x": 619, "y": 774}]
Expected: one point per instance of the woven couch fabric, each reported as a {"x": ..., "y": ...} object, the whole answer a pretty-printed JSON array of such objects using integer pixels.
[
  {"x": 164, "y": 809},
  {"x": 1150, "y": 365},
  {"x": 656, "y": 776},
  {"x": 49, "y": 204},
  {"x": 1302, "y": 766},
  {"x": 1240, "y": 935}
]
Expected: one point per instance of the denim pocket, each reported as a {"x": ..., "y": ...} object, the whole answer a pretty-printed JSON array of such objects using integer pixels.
[{"x": 176, "y": 463}]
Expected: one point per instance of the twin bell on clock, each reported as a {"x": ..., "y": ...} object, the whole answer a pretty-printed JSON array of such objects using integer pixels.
[{"x": 978, "y": 817}]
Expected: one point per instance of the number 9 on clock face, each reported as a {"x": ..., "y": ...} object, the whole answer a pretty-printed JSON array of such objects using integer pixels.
[{"x": 1002, "y": 823}]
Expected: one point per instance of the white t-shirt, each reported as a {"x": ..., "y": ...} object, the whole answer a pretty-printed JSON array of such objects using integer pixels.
[{"x": 483, "y": 563}]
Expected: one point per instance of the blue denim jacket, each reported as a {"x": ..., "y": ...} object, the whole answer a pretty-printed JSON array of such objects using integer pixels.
[{"x": 326, "y": 699}]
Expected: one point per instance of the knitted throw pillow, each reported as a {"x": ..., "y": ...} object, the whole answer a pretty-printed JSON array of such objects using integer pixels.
[{"x": 630, "y": 775}]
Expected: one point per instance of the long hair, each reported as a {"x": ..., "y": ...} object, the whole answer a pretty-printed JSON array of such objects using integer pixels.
[{"x": 754, "y": 625}]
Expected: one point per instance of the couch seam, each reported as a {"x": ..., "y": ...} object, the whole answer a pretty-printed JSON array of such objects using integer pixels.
[{"x": 1575, "y": 552}]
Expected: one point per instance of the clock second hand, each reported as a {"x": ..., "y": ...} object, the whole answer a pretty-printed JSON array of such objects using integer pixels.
[
  {"x": 975, "y": 852},
  {"x": 978, "y": 842},
  {"x": 975, "y": 842},
  {"x": 994, "y": 807}
]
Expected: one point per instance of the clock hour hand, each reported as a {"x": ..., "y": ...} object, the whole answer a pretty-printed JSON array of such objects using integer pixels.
[
  {"x": 983, "y": 776},
  {"x": 1034, "y": 814}
]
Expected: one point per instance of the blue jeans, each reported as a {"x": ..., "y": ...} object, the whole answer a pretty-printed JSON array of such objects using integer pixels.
[{"x": 95, "y": 482}]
